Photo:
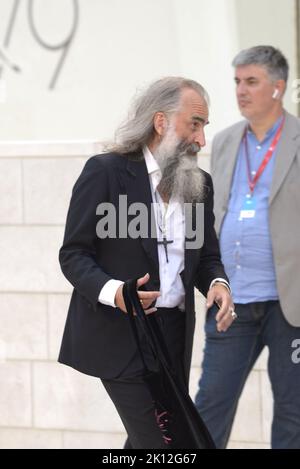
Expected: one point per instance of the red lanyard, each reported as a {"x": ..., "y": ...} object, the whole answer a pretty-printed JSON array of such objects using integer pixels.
[{"x": 252, "y": 182}]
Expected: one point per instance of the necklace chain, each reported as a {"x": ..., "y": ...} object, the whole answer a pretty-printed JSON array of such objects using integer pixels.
[{"x": 162, "y": 227}]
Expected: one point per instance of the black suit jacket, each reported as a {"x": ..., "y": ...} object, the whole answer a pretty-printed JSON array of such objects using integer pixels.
[{"x": 97, "y": 338}]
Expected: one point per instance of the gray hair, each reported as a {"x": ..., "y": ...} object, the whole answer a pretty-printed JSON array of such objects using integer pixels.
[
  {"x": 161, "y": 96},
  {"x": 267, "y": 56}
]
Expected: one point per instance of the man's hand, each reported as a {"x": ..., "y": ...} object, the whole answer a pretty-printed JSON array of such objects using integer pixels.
[
  {"x": 219, "y": 294},
  {"x": 146, "y": 297}
]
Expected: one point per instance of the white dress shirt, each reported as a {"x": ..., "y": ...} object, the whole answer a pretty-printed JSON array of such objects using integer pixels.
[
  {"x": 171, "y": 217},
  {"x": 171, "y": 286}
]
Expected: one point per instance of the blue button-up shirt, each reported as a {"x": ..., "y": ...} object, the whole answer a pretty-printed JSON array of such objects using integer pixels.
[{"x": 246, "y": 242}]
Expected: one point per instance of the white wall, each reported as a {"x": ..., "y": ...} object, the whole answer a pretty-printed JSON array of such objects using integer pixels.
[
  {"x": 118, "y": 47},
  {"x": 270, "y": 22}
]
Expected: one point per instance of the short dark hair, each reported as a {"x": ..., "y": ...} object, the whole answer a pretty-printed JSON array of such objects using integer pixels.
[{"x": 267, "y": 56}]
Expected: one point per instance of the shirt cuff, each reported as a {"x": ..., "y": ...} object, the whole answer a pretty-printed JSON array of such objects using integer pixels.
[
  {"x": 108, "y": 292},
  {"x": 220, "y": 280}
]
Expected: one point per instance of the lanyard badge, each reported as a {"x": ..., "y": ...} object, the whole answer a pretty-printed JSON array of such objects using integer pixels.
[{"x": 249, "y": 205}]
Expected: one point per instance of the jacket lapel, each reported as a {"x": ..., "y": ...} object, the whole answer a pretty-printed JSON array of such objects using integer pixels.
[
  {"x": 230, "y": 150},
  {"x": 191, "y": 256},
  {"x": 137, "y": 187},
  {"x": 287, "y": 148}
]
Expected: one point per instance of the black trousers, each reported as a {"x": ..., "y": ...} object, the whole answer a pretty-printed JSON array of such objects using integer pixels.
[{"x": 131, "y": 396}]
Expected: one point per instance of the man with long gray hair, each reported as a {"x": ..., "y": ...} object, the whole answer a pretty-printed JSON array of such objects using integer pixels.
[
  {"x": 256, "y": 173},
  {"x": 152, "y": 163}
]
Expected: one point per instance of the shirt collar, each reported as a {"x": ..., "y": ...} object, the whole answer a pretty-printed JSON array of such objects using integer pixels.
[
  {"x": 150, "y": 161},
  {"x": 274, "y": 128},
  {"x": 270, "y": 132},
  {"x": 152, "y": 168}
]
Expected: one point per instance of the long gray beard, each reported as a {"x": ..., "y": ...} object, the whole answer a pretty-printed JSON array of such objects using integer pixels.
[{"x": 181, "y": 177}]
